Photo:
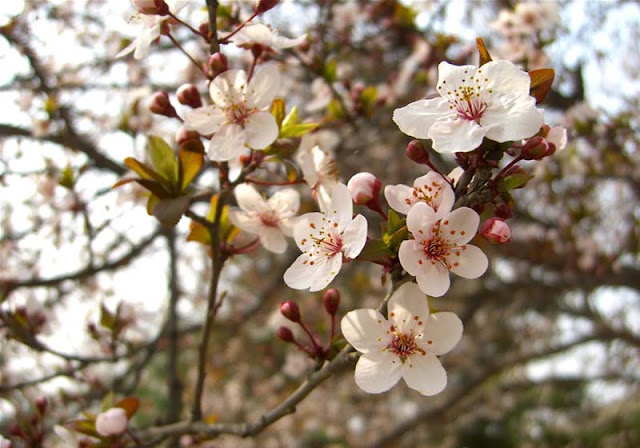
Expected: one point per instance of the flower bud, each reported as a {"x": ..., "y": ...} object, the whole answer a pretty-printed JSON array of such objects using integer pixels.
[
  {"x": 204, "y": 28},
  {"x": 111, "y": 422},
  {"x": 41, "y": 404},
  {"x": 188, "y": 95},
  {"x": 217, "y": 64},
  {"x": 556, "y": 136},
  {"x": 152, "y": 7},
  {"x": 264, "y": 5},
  {"x": 503, "y": 211},
  {"x": 495, "y": 230},
  {"x": 5, "y": 443},
  {"x": 536, "y": 148},
  {"x": 290, "y": 310},
  {"x": 331, "y": 300},
  {"x": 285, "y": 334},
  {"x": 183, "y": 135},
  {"x": 161, "y": 105},
  {"x": 417, "y": 151},
  {"x": 364, "y": 188}
]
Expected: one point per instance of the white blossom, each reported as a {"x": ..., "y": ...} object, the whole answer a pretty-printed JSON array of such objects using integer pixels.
[
  {"x": 432, "y": 189},
  {"x": 239, "y": 114},
  {"x": 405, "y": 345},
  {"x": 492, "y": 101},
  {"x": 323, "y": 239},
  {"x": 440, "y": 246},
  {"x": 319, "y": 169},
  {"x": 271, "y": 220},
  {"x": 259, "y": 34}
]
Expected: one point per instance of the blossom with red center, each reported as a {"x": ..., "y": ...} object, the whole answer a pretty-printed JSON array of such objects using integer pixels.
[
  {"x": 439, "y": 246},
  {"x": 239, "y": 114},
  {"x": 432, "y": 189},
  {"x": 404, "y": 345},
  {"x": 323, "y": 239},
  {"x": 271, "y": 220},
  {"x": 491, "y": 101}
]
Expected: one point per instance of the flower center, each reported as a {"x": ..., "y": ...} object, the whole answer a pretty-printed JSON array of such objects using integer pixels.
[
  {"x": 331, "y": 244},
  {"x": 404, "y": 345},
  {"x": 269, "y": 219},
  {"x": 430, "y": 194},
  {"x": 468, "y": 104},
  {"x": 238, "y": 113}
]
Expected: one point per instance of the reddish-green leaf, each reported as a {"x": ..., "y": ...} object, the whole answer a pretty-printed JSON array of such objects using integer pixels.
[
  {"x": 141, "y": 169},
  {"x": 163, "y": 159},
  {"x": 541, "y": 81},
  {"x": 129, "y": 404},
  {"x": 482, "y": 50},
  {"x": 190, "y": 164}
]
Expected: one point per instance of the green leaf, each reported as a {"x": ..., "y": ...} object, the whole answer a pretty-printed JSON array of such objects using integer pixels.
[
  {"x": 517, "y": 180},
  {"x": 67, "y": 179},
  {"x": 393, "y": 240},
  {"x": 541, "y": 81},
  {"x": 368, "y": 99},
  {"x": 277, "y": 110},
  {"x": 163, "y": 159},
  {"x": 335, "y": 110},
  {"x": 482, "y": 50},
  {"x": 376, "y": 251},
  {"x": 291, "y": 126},
  {"x": 330, "y": 71},
  {"x": 142, "y": 169},
  {"x": 107, "y": 319},
  {"x": 190, "y": 164},
  {"x": 394, "y": 221},
  {"x": 154, "y": 187}
]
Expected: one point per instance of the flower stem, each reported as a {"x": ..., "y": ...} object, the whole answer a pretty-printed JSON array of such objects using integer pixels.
[{"x": 225, "y": 39}]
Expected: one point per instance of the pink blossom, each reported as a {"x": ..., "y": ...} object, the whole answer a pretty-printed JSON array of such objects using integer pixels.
[
  {"x": 111, "y": 422},
  {"x": 364, "y": 187},
  {"x": 495, "y": 230}
]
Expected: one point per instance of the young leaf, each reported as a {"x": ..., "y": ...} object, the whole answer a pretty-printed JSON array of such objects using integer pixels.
[
  {"x": 163, "y": 159},
  {"x": 541, "y": 81},
  {"x": 129, "y": 404},
  {"x": 482, "y": 50},
  {"x": 277, "y": 110},
  {"x": 141, "y": 169},
  {"x": 190, "y": 164}
]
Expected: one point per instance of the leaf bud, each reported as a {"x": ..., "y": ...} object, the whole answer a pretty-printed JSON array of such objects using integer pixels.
[
  {"x": 188, "y": 95},
  {"x": 417, "y": 151},
  {"x": 331, "y": 300},
  {"x": 217, "y": 64},
  {"x": 495, "y": 230},
  {"x": 290, "y": 310},
  {"x": 285, "y": 334},
  {"x": 264, "y": 5},
  {"x": 161, "y": 105}
]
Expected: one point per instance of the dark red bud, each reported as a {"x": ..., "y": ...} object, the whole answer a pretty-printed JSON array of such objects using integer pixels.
[
  {"x": 188, "y": 95},
  {"x": 285, "y": 334},
  {"x": 217, "y": 64},
  {"x": 204, "y": 29},
  {"x": 15, "y": 430},
  {"x": 161, "y": 105},
  {"x": 264, "y": 5},
  {"x": 503, "y": 211},
  {"x": 331, "y": 301},
  {"x": 41, "y": 404},
  {"x": 536, "y": 148},
  {"x": 418, "y": 152},
  {"x": 290, "y": 310}
]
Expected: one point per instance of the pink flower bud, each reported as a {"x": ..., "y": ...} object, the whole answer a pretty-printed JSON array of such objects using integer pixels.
[
  {"x": 217, "y": 64},
  {"x": 41, "y": 404},
  {"x": 285, "y": 334},
  {"x": 290, "y": 310},
  {"x": 364, "y": 188},
  {"x": 188, "y": 95},
  {"x": 331, "y": 300},
  {"x": 495, "y": 230},
  {"x": 152, "y": 7},
  {"x": 264, "y": 5},
  {"x": 556, "y": 136},
  {"x": 161, "y": 105},
  {"x": 417, "y": 151},
  {"x": 536, "y": 148},
  {"x": 184, "y": 135},
  {"x": 111, "y": 422}
]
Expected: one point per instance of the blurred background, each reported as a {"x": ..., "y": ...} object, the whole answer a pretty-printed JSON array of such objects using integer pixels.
[{"x": 96, "y": 296}]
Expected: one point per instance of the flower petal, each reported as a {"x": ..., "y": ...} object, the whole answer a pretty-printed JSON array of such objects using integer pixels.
[
  {"x": 261, "y": 130},
  {"x": 408, "y": 308},
  {"x": 377, "y": 373},
  {"x": 417, "y": 118},
  {"x": 471, "y": 263},
  {"x": 399, "y": 197},
  {"x": 456, "y": 135},
  {"x": 354, "y": 237},
  {"x": 245, "y": 221},
  {"x": 327, "y": 269},
  {"x": 420, "y": 220},
  {"x": 511, "y": 117},
  {"x": 412, "y": 256},
  {"x": 504, "y": 77},
  {"x": 365, "y": 329},
  {"x": 341, "y": 209},
  {"x": 306, "y": 230},
  {"x": 460, "y": 226},
  {"x": 444, "y": 330},
  {"x": 425, "y": 374},
  {"x": 248, "y": 198},
  {"x": 228, "y": 88},
  {"x": 227, "y": 143},
  {"x": 263, "y": 86},
  {"x": 433, "y": 278},
  {"x": 285, "y": 202},
  {"x": 451, "y": 77},
  {"x": 301, "y": 273},
  {"x": 206, "y": 120},
  {"x": 272, "y": 239}
]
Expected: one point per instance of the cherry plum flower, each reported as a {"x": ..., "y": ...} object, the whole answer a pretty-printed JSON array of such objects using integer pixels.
[
  {"x": 111, "y": 422},
  {"x": 318, "y": 167},
  {"x": 439, "y": 246},
  {"x": 323, "y": 239},
  {"x": 491, "y": 101},
  {"x": 262, "y": 36},
  {"x": 432, "y": 189},
  {"x": 406, "y": 345},
  {"x": 239, "y": 114},
  {"x": 271, "y": 220}
]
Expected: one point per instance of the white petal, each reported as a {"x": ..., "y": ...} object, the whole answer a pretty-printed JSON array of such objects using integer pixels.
[
  {"x": 125, "y": 51},
  {"x": 341, "y": 209},
  {"x": 511, "y": 117},
  {"x": 272, "y": 239},
  {"x": 463, "y": 222},
  {"x": 261, "y": 129},
  {"x": 285, "y": 202},
  {"x": 504, "y": 77},
  {"x": 417, "y": 118},
  {"x": 433, "y": 278},
  {"x": 456, "y": 135},
  {"x": 354, "y": 237},
  {"x": 443, "y": 330},
  {"x": 327, "y": 269},
  {"x": 245, "y": 221},
  {"x": 379, "y": 373},
  {"x": 412, "y": 256},
  {"x": 408, "y": 308},
  {"x": 227, "y": 88},
  {"x": 471, "y": 263},
  {"x": 451, "y": 77},
  {"x": 248, "y": 198},
  {"x": 263, "y": 86},
  {"x": 425, "y": 374},
  {"x": 399, "y": 197},
  {"x": 227, "y": 142},
  {"x": 441, "y": 192},
  {"x": 206, "y": 120},
  {"x": 365, "y": 329},
  {"x": 307, "y": 229},
  {"x": 300, "y": 274},
  {"x": 420, "y": 220}
]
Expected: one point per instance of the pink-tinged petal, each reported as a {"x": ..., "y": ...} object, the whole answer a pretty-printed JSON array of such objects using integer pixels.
[
  {"x": 227, "y": 88},
  {"x": 327, "y": 269},
  {"x": 456, "y": 135},
  {"x": 433, "y": 278},
  {"x": 301, "y": 273},
  {"x": 285, "y": 202},
  {"x": 436, "y": 192},
  {"x": 471, "y": 263},
  {"x": 420, "y": 220},
  {"x": 460, "y": 226},
  {"x": 365, "y": 329},
  {"x": 412, "y": 256},
  {"x": 504, "y": 77},
  {"x": 143, "y": 45},
  {"x": 206, "y": 120},
  {"x": 511, "y": 117},
  {"x": 261, "y": 129},
  {"x": 128, "y": 49},
  {"x": 377, "y": 373},
  {"x": 263, "y": 86},
  {"x": 245, "y": 221},
  {"x": 408, "y": 309},
  {"x": 307, "y": 229},
  {"x": 227, "y": 143},
  {"x": 341, "y": 208},
  {"x": 399, "y": 197},
  {"x": 425, "y": 374},
  {"x": 354, "y": 237},
  {"x": 451, "y": 77},
  {"x": 442, "y": 331},
  {"x": 272, "y": 239},
  {"x": 248, "y": 198},
  {"x": 417, "y": 118}
]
